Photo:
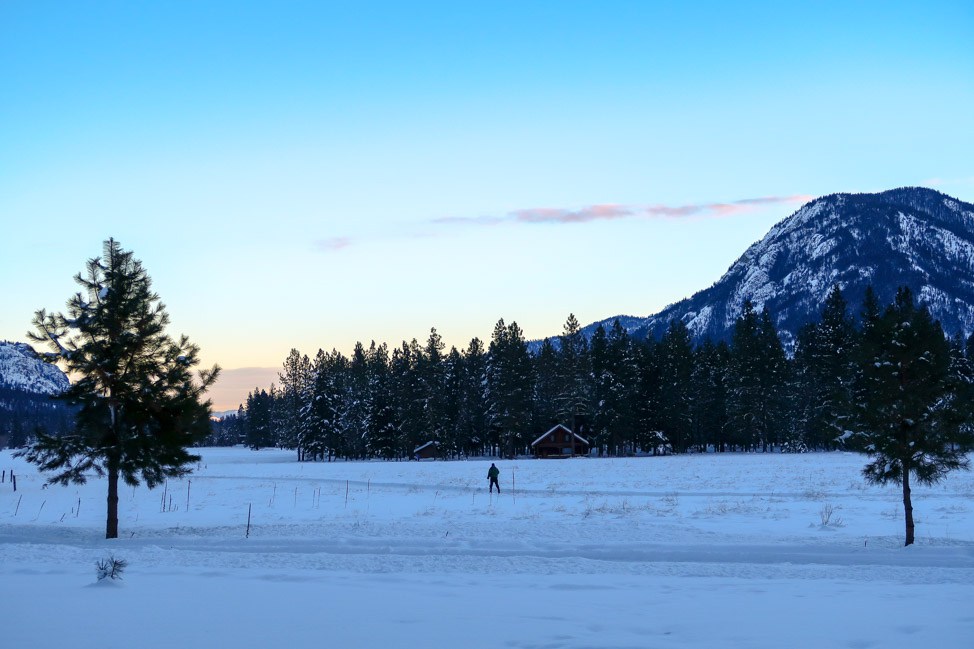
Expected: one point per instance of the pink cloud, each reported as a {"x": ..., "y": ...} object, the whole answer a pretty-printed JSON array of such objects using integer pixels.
[
  {"x": 718, "y": 210},
  {"x": 584, "y": 215},
  {"x": 598, "y": 212}
]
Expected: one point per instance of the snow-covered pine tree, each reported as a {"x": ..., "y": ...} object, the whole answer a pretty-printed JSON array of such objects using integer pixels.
[
  {"x": 295, "y": 377},
  {"x": 259, "y": 425},
  {"x": 383, "y": 428},
  {"x": 355, "y": 405}
]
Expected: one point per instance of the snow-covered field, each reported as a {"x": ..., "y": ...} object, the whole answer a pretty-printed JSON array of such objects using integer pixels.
[{"x": 695, "y": 551}]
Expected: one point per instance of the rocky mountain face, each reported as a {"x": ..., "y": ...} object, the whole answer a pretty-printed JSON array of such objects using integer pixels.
[
  {"x": 21, "y": 368},
  {"x": 26, "y": 386},
  {"x": 912, "y": 237}
]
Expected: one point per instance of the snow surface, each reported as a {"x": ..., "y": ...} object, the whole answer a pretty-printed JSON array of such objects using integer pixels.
[{"x": 694, "y": 551}]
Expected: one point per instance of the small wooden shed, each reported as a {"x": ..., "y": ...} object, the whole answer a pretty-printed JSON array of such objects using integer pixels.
[
  {"x": 560, "y": 442},
  {"x": 427, "y": 451}
]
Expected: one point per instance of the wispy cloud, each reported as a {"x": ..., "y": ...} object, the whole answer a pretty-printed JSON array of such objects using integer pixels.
[
  {"x": 332, "y": 244},
  {"x": 599, "y": 212},
  {"x": 584, "y": 215},
  {"x": 613, "y": 211}
]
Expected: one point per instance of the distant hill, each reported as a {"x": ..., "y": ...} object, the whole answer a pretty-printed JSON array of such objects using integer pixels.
[
  {"x": 21, "y": 368},
  {"x": 27, "y": 384},
  {"x": 911, "y": 236}
]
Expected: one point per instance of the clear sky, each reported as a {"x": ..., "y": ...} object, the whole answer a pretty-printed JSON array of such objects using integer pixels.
[{"x": 310, "y": 174}]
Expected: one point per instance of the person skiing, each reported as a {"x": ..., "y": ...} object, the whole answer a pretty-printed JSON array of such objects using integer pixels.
[{"x": 492, "y": 474}]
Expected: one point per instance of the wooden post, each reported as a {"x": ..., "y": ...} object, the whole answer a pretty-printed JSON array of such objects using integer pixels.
[
  {"x": 189, "y": 483},
  {"x": 13, "y": 479},
  {"x": 18, "y": 504},
  {"x": 513, "y": 490},
  {"x": 346, "y": 494},
  {"x": 249, "y": 506}
]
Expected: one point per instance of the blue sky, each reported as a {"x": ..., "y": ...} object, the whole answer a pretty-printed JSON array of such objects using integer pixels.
[{"x": 311, "y": 174}]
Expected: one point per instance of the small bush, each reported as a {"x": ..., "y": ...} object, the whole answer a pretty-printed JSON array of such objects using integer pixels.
[
  {"x": 110, "y": 568},
  {"x": 828, "y": 518}
]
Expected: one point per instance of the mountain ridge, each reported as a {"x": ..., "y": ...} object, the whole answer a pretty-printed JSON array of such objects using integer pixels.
[
  {"x": 911, "y": 236},
  {"x": 21, "y": 368}
]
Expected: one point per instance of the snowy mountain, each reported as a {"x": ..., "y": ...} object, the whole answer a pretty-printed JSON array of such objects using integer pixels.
[
  {"x": 911, "y": 236},
  {"x": 22, "y": 369}
]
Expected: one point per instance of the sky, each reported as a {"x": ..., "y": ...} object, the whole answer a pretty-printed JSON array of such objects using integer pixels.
[{"x": 310, "y": 174}]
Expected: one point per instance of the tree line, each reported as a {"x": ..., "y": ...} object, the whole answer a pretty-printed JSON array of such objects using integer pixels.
[
  {"x": 889, "y": 384},
  {"x": 624, "y": 395}
]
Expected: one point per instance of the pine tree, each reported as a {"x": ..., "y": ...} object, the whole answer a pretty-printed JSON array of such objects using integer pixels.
[
  {"x": 295, "y": 379},
  {"x": 775, "y": 384},
  {"x": 614, "y": 386},
  {"x": 646, "y": 408},
  {"x": 825, "y": 369},
  {"x": 574, "y": 377},
  {"x": 708, "y": 396},
  {"x": 757, "y": 373},
  {"x": 355, "y": 405},
  {"x": 509, "y": 387},
  {"x": 431, "y": 369},
  {"x": 383, "y": 429},
  {"x": 913, "y": 418},
  {"x": 410, "y": 394},
  {"x": 546, "y": 390},
  {"x": 454, "y": 440},
  {"x": 675, "y": 358},
  {"x": 139, "y": 407},
  {"x": 320, "y": 410},
  {"x": 259, "y": 426},
  {"x": 473, "y": 405}
]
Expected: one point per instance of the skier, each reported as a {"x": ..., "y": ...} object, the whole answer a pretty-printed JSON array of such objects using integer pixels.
[{"x": 492, "y": 474}]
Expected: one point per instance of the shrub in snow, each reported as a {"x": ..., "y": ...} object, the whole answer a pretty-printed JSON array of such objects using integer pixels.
[
  {"x": 828, "y": 518},
  {"x": 110, "y": 568}
]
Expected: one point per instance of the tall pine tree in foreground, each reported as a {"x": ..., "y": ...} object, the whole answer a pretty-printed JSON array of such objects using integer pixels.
[
  {"x": 139, "y": 406},
  {"x": 913, "y": 409}
]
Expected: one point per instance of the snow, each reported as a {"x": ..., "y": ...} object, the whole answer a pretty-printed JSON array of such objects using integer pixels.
[{"x": 693, "y": 551}]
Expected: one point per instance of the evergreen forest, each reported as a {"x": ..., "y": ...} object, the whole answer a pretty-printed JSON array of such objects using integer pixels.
[{"x": 625, "y": 396}]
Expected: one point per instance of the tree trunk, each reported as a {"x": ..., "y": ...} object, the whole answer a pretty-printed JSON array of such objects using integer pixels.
[
  {"x": 111, "y": 523},
  {"x": 907, "y": 506}
]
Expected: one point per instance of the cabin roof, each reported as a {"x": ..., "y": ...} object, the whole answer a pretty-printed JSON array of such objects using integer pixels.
[
  {"x": 427, "y": 444},
  {"x": 560, "y": 427}
]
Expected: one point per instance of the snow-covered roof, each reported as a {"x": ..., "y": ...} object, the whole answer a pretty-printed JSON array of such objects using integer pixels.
[
  {"x": 420, "y": 448},
  {"x": 561, "y": 427}
]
